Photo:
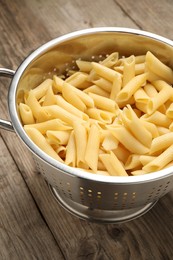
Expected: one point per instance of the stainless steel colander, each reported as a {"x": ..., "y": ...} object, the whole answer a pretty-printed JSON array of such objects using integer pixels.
[{"x": 89, "y": 196}]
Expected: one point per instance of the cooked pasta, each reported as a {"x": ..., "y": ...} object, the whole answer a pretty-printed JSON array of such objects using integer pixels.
[{"x": 112, "y": 117}]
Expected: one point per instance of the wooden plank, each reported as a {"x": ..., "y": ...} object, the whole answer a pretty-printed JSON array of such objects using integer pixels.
[
  {"x": 77, "y": 239},
  {"x": 154, "y": 16},
  {"x": 23, "y": 232}
]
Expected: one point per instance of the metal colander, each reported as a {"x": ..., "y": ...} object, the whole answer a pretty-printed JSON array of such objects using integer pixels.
[{"x": 89, "y": 196}]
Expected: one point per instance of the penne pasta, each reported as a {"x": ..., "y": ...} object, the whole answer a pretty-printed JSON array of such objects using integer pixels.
[
  {"x": 128, "y": 140},
  {"x": 161, "y": 161},
  {"x": 131, "y": 87},
  {"x": 92, "y": 147},
  {"x": 26, "y": 114},
  {"x": 169, "y": 111},
  {"x": 116, "y": 86},
  {"x": 84, "y": 66},
  {"x": 112, "y": 117},
  {"x": 104, "y": 103},
  {"x": 133, "y": 162},
  {"x": 158, "y": 100},
  {"x": 58, "y": 137},
  {"x": 41, "y": 142},
  {"x": 102, "y": 71},
  {"x": 141, "y": 96},
  {"x": 70, "y": 158},
  {"x": 80, "y": 133},
  {"x": 129, "y": 69},
  {"x": 54, "y": 125},
  {"x": 161, "y": 142},
  {"x": 101, "y": 115},
  {"x": 97, "y": 90},
  {"x": 78, "y": 79},
  {"x": 49, "y": 98},
  {"x": 103, "y": 83},
  {"x": 112, "y": 164},
  {"x": 41, "y": 90},
  {"x": 132, "y": 122},
  {"x": 159, "y": 68},
  {"x": 60, "y": 101}
]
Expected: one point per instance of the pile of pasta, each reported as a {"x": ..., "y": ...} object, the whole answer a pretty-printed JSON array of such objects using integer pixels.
[{"x": 112, "y": 117}]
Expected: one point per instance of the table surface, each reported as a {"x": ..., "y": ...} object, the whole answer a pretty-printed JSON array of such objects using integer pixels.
[{"x": 32, "y": 224}]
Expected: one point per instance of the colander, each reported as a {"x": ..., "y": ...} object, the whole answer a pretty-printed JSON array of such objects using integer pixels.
[{"x": 89, "y": 196}]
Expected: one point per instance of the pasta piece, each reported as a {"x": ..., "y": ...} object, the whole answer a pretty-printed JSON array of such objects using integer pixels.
[
  {"x": 80, "y": 135},
  {"x": 145, "y": 159},
  {"x": 41, "y": 142},
  {"x": 169, "y": 111},
  {"x": 138, "y": 172},
  {"x": 150, "y": 90},
  {"x": 104, "y": 72},
  {"x": 109, "y": 142},
  {"x": 104, "y": 103},
  {"x": 161, "y": 142},
  {"x": 58, "y": 137},
  {"x": 97, "y": 90},
  {"x": 103, "y": 83},
  {"x": 110, "y": 60},
  {"x": 142, "y": 107},
  {"x": 163, "y": 130},
  {"x": 133, "y": 162},
  {"x": 153, "y": 129},
  {"x": 41, "y": 90},
  {"x": 128, "y": 140},
  {"x": 78, "y": 80},
  {"x": 121, "y": 153},
  {"x": 159, "y": 68},
  {"x": 92, "y": 147},
  {"x": 88, "y": 101},
  {"x": 139, "y": 69},
  {"x": 71, "y": 97},
  {"x": 49, "y": 98},
  {"x": 38, "y": 112},
  {"x": 161, "y": 161},
  {"x": 100, "y": 166},
  {"x": 139, "y": 59},
  {"x": 132, "y": 122},
  {"x": 130, "y": 101},
  {"x": 141, "y": 96},
  {"x": 55, "y": 111},
  {"x": 57, "y": 84},
  {"x": 26, "y": 114},
  {"x": 112, "y": 164},
  {"x": 116, "y": 86},
  {"x": 164, "y": 95},
  {"x": 60, "y": 101},
  {"x": 158, "y": 119},
  {"x": 131, "y": 87},
  {"x": 101, "y": 115},
  {"x": 129, "y": 69},
  {"x": 71, "y": 151},
  {"x": 54, "y": 125},
  {"x": 84, "y": 66}
]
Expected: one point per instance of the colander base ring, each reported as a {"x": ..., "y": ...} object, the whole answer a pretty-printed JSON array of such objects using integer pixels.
[{"x": 100, "y": 215}]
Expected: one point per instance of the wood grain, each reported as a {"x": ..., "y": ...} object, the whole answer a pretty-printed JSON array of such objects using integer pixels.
[
  {"x": 24, "y": 234},
  {"x": 32, "y": 224},
  {"x": 153, "y": 16}
]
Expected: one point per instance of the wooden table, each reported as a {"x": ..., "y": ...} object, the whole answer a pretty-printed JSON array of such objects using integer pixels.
[{"x": 32, "y": 224}]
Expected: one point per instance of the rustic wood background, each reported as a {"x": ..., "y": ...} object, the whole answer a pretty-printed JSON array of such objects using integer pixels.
[{"x": 32, "y": 224}]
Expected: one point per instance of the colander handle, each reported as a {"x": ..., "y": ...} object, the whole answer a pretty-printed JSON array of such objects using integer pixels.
[{"x": 4, "y": 124}]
